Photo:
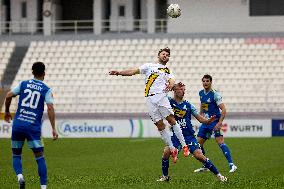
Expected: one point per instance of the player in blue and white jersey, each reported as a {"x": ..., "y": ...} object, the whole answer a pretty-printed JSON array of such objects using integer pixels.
[
  {"x": 183, "y": 111},
  {"x": 212, "y": 104},
  {"x": 27, "y": 122}
]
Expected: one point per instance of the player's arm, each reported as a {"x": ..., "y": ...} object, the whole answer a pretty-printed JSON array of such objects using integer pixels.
[
  {"x": 199, "y": 117},
  {"x": 201, "y": 110},
  {"x": 221, "y": 105},
  {"x": 51, "y": 112},
  {"x": 202, "y": 119},
  {"x": 8, "y": 101},
  {"x": 223, "y": 115},
  {"x": 51, "y": 116},
  {"x": 129, "y": 72},
  {"x": 170, "y": 84}
]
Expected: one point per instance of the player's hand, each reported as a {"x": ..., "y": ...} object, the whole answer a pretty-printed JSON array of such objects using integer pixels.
[
  {"x": 218, "y": 126},
  {"x": 54, "y": 134},
  {"x": 168, "y": 88},
  {"x": 113, "y": 72},
  {"x": 211, "y": 119},
  {"x": 7, "y": 117}
]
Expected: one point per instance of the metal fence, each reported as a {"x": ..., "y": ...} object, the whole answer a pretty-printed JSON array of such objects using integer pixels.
[{"x": 79, "y": 26}]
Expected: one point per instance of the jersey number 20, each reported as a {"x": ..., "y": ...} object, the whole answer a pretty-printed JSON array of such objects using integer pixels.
[{"x": 32, "y": 99}]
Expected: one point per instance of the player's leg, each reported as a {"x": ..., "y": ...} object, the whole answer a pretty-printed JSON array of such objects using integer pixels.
[
  {"x": 157, "y": 118},
  {"x": 208, "y": 164},
  {"x": 41, "y": 164},
  {"x": 35, "y": 143},
  {"x": 202, "y": 136},
  {"x": 166, "y": 111},
  {"x": 165, "y": 165},
  {"x": 178, "y": 132},
  {"x": 18, "y": 139},
  {"x": 201, "y": 141},
  {"x": 225, "y": 149},
  {"x": 164, "y": 133},
  {"x": 167, "y": 138}
]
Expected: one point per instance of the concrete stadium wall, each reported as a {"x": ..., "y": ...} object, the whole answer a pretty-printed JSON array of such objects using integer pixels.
[
  {"x": 17, "y": 19},
  {"x": 221, "y": 16}
]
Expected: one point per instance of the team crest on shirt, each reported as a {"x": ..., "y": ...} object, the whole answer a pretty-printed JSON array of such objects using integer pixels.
[
  {"x": 204, "y": 106},
  {"x": 179, "y": 112},
  {"x": 165, "y": 70},
  {"x": 208, "y": 100}
]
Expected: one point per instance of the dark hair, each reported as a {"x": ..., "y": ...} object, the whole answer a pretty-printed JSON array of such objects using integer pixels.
[
  {"x": 179, "y": 84},
  {"x": 38, "y": 69},
  {"x": 167, "y": 49},
  {"x": 207, "y": 76}
]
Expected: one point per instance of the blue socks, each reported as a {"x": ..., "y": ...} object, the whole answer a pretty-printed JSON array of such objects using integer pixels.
[
  {"x": 42, "y": 170},
  {"x": 165, "y": 166},
  {"x": 226, "y": 152},
  {"x": 209, "y": 165},
  {"x": 17, "y": 164}
]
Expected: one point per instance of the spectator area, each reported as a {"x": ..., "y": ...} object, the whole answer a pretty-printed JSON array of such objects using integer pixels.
[{"x": 249, "y": 72}]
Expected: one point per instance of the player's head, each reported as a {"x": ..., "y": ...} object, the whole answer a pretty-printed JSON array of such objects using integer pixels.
[
  {"x": 207, "y": 81},
  {"x": 179, "y": 90},
  {"x": 38, "y": 70},
  {"x": 164, "y": 55}
]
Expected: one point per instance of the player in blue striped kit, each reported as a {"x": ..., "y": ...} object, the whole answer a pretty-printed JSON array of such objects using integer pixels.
[
  {"x": 211, "y": 104},
  {"x": 182, "y": 112},
  {"x": 27, "y": 122}
]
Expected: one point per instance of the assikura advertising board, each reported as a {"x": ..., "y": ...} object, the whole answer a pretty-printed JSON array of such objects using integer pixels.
[{"x": 125, "y": 128}]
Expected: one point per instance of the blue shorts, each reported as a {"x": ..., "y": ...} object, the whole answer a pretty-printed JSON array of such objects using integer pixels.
[
  {"x": 33, "y": 137},
  {"x": 189, "y": 140},
  {"x": 206, "y": 130}
]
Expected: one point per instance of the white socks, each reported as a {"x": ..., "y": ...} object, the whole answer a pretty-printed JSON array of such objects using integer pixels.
[
  {"x": 178, "y": 133},
  {"x": 166, "y": 138},
  {"x": 20, "y": 177},
  {"x": 42, "y": 186}
]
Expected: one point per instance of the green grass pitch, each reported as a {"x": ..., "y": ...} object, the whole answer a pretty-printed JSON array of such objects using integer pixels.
[{"x": 136, "y": 163}]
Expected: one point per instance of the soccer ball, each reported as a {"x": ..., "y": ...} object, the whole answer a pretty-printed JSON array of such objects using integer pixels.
[{"x": 173, "y": 10}]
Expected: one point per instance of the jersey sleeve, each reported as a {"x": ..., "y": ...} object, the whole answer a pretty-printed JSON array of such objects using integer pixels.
[
  {"x": 193, "y": 109},
  {"x": 218, "y": 98},
  {"x": 16, "y": 91},
  {"x": 49, "y": 97},
  {"x": 143, "y": 69},
  {"x": 171, "y": 75}
]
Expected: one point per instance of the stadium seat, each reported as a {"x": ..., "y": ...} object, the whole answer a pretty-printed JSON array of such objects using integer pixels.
[{"x": 79, "y": 68}]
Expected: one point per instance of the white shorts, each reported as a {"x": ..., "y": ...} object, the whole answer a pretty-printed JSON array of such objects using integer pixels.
[{"x": 159, "y": 107}]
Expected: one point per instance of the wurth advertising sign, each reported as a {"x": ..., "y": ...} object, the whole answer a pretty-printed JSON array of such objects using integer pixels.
[
  {"x": 247, "y": 128},
  {"x": 243, "y": 127}
]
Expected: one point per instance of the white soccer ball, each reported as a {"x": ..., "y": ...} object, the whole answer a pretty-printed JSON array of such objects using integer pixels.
[{"x": 174, "y": 10}]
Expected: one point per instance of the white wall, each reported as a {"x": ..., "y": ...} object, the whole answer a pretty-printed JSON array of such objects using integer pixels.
[
  {"x": 221, "y": 16},
  {"x": 121, "y": 23},
  {"x": 98, "y": 8},
  {"x": 144, "y": 9},
  {"x": 20, "y": 24},
  {"x": 2, "y": 16}
]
